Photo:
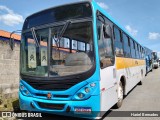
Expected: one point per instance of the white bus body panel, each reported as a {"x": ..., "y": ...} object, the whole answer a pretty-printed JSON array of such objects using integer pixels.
[
  {"x": 110, "y": 80},
  {"x": 108, "y": 88}
]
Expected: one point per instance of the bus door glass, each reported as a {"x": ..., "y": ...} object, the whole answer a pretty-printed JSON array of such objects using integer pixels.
[{"x": 106, "y": 54}]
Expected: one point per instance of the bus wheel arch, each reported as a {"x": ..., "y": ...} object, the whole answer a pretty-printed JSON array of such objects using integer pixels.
[
  {"x": 120, "y": 92},
  {"x": 123, "y": 80},
  {"x": 142, "y": 75}
]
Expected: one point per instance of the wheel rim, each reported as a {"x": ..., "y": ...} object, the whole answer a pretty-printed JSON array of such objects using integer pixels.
[{"x": 120, "y": 93}]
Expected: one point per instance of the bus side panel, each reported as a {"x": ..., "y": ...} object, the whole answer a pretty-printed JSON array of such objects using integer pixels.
[
  {"x": 132, "y": 74},
  {"x": 132, "y": 69},
  {"x": 137, "y": 74},
  {"x": 108, "y": 88}
]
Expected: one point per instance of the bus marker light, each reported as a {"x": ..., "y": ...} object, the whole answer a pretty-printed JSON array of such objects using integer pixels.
[
  {"x": 93, "y": 84},
  {"x": 26, "y": 91},
  {"x": 103, "y": 89},
  {"x": 21, "y": 87}
]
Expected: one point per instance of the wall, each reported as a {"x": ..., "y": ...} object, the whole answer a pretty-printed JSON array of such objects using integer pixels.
[{"x": 9, "y": 69}]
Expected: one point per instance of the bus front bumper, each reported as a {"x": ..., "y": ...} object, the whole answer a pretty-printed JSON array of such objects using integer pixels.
[{"x": 86, "y": 108}]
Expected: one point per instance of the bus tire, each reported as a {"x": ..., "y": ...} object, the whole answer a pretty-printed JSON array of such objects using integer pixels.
[
  {"x": 120, "y": 93},
  {"x": 140, "y": 83}
]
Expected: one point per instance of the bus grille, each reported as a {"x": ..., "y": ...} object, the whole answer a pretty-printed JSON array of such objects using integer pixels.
[
  {"x": 51, "y": 86},
  {"x": 51, "y": 106},
  {"x": 56, "y": 96}
]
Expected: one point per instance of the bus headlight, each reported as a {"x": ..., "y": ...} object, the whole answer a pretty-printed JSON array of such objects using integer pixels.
[
  {"x": 81, "y": 95},
  {"x": 85, "y": 92},
  {"x": 24, "y": 90}
]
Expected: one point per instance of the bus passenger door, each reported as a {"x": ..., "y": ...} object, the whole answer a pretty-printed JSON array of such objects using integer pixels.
[{"x": 107, "y": 71}]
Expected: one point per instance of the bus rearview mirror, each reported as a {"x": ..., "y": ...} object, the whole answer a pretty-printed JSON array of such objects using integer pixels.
[
  {"x": 11, "y": 40},
  {"x": 107, "y": 31}
]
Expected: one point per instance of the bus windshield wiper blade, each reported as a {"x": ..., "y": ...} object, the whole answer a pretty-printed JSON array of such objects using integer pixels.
[
  {"x": 59, "y": 36},
  {"x": 64, "y": 29},
  {"x": 35, "y": 37}
]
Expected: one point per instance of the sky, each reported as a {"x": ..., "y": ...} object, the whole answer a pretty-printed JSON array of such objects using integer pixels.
[{"x": 139, "y": 17}]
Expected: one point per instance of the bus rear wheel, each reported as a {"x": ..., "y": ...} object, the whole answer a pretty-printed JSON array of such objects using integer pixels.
[{"x": 120, "y": 94}]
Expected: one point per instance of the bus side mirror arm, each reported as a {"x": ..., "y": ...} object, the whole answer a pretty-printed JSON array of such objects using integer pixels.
[
  {"x": 11, "y": 43},
  {"x": 11, "y": 39},
  {"x": 107, "y": 31}
]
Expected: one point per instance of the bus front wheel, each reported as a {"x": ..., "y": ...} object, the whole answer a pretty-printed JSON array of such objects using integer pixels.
[{"x": 120, "y": 94}]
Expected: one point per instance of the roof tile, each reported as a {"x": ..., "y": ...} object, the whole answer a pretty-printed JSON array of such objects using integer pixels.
[{"x": 7, "y": 35}]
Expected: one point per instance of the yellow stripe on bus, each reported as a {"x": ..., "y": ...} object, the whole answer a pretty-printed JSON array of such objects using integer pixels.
[{"x": 122, "y": 63}]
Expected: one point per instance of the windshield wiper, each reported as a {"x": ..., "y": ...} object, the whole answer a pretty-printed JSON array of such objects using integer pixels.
[
  {"x": 35, "y": 37},
  {"x": 59, "y": 36},
  {"x": 64, "y": 29}
]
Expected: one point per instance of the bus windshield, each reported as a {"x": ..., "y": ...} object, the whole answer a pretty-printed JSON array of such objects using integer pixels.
[
  {"x": 70, "y": 54},
  {"x": 61, "y": 13},
  {"x": 155, "y": 56}
]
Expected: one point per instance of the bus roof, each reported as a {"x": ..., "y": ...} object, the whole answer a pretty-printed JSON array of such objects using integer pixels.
[{"x": 89, "y": 1}]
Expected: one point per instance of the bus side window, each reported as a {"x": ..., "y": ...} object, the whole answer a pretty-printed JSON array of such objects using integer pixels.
[
  {"x": 106, "y": 59},
  {"x": 100, "y": 41},
  {"x": 140, "y": 52},
  {"x": 126, "y": 45},
  {"x": 136, "y": 48},
  {"x": 118, "y": 42},
  {"x": 107, "y": 38},
  {"x": 132, "y": 48},
  {"x": 143, "y": 53}
]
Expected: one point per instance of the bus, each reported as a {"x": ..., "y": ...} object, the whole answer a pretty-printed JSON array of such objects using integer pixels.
[
  {"x": 159, "y": 57},
  {"x": 76, "y": 60},
  {"x": 155, "y": 60},
  {"x": 149, "y": 60}
]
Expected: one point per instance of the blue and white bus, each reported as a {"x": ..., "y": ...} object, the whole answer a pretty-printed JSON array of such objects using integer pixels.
[
  {"x": 76, "y": 59},
  {"x": 149, "y": 59},
  {"x": 155, "y": 60}
]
